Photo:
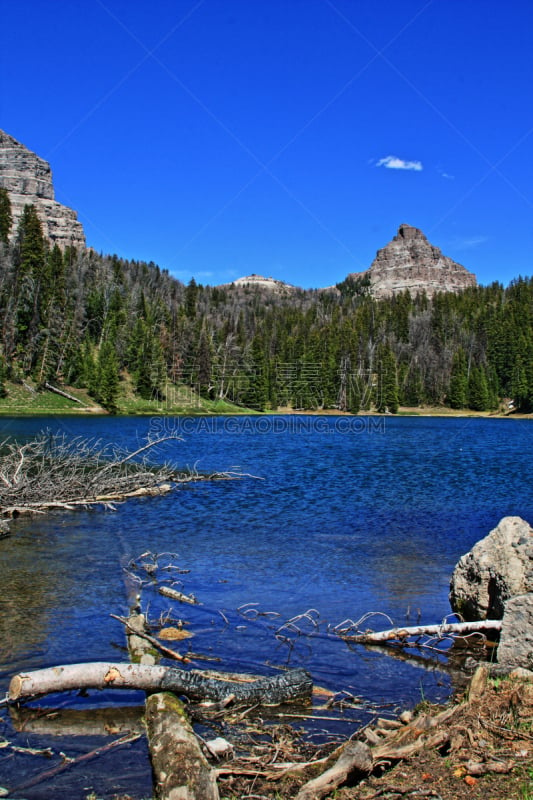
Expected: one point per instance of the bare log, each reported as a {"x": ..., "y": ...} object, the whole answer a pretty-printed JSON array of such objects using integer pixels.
[
  {"x": 167, "y": 591},
  {"x": 401, "y": 634},
  {"x": 355, "y": 757},
  {"x": 291, "y": 685},
  {"x": 62, "y": 393},
  {"x": 179, "y": 766}
]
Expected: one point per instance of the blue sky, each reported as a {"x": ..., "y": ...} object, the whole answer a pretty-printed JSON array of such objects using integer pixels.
[{"x": 284, "y": 137}]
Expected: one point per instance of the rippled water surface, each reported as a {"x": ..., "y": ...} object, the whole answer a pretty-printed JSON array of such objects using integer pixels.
[{"x": 344, "y": 516}]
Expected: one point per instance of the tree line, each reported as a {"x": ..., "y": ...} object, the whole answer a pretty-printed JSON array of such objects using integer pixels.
[{"x": 88, "y": 320}]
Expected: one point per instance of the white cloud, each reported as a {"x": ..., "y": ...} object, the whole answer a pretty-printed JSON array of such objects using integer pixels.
[{"x": 393, "y": 162}]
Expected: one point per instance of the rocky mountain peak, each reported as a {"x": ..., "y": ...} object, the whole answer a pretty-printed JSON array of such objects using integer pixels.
[
  {"x": 410, "y": 261},
  {"x": 28, "y": 180}
]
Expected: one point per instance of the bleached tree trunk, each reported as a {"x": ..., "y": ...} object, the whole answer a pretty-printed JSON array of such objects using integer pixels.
[{"x": 291, "y": 685}]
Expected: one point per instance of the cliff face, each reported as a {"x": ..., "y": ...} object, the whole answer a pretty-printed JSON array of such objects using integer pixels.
[
  {"x": 411, "y": 262},
  {"x": 28, "y": 179}
]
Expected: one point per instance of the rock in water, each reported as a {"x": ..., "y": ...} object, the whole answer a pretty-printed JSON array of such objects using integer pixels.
[
  {"x": 516, "y": 640},
  {"x": 498, "y": 567},
  {"x": 28, "y": 180},
  {"x": 411, "y": 262}
]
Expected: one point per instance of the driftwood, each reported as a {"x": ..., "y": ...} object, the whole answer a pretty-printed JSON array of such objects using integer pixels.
[
  {"x": 291, "y": 685},
  {"x": 180, "y": 768},
  {"x": 445, "y": 629},
  {"x": 355, "y": 757},
  {"x": 55, "y": 471},
  {"x": 167, "y": 591}
]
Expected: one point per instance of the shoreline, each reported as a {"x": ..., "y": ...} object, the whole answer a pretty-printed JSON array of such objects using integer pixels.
[{"x": 404, "y": 411}]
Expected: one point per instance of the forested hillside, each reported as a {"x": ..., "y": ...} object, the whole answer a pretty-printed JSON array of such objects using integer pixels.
[{"x": 84, "y": 320}]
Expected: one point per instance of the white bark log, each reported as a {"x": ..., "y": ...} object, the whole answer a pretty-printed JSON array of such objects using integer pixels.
[
  {"x": 272, "y": 690},
  {"x": 400, "y": 634}
]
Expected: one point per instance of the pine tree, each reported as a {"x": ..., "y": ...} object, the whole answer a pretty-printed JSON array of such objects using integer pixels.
[
  {"x": 191, "y": 298},
  {"x": 387, "y": 383},
  {"x": 108, "y": 377},
  {"x": 458, "y": 388},
  {"x": 30, "y": 263},
  {"x": 478, "y": 391}
]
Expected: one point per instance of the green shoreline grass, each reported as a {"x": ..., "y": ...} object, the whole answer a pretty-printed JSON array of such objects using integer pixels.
[{"x": 24, "y": 400}]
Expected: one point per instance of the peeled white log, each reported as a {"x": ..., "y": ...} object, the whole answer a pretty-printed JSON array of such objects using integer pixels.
[
  {"x": 272, "y": 690},
  {"x": 400, "y": 634}
]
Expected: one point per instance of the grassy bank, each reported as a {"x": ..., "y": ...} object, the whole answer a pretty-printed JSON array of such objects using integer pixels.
[{"x": 26, "y": 399}]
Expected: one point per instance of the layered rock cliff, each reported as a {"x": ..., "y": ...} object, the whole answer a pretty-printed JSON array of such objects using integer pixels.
[
  {"x": 411, "y": 262},
  {"x": 28, "y": 180}
]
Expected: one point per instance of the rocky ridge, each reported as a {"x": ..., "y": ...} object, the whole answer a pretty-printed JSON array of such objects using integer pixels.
[
  {"x": 410, "y": 261},
  {"x": 259, "y": 282},
  {"x": 28, "y": 180}
]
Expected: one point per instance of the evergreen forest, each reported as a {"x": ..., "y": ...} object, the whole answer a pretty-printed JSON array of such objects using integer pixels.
[{"x": 79, "y": 319}]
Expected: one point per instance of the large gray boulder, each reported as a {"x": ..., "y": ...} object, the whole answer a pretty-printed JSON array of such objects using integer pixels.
[
  {"x": 516, "y": 640},
  {"x": 497, "y": 568}
]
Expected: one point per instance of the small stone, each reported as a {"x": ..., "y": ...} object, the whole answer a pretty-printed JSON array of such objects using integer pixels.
[
  {"x": 406, "y": 717},
  {"x": 220, "y": 748}
]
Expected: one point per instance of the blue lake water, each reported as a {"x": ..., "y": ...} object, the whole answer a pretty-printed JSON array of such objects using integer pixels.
[{"x": 344, "y": 516}]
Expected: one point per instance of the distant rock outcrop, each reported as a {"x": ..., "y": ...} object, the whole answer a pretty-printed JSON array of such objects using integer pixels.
[
  {"x": 498, "y": 567},
  {"x": 28, "y": 180},
  {"x": 411, "y": 262},
  {"x": 254, "y": 281}
]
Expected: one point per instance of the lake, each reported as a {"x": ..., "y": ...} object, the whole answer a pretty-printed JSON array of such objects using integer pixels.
[{"x": 335, "y": 517}]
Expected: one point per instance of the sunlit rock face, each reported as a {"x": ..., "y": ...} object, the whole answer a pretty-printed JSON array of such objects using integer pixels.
[
  {"x": 28, "y": 180},
  {"x": 410, "y": 261}
]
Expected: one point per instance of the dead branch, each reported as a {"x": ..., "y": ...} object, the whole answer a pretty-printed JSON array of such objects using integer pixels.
[
  {"x": 67, "y": 763},
  {"x": 138, "y": 630},
  {"x": 355, "y": 757}
]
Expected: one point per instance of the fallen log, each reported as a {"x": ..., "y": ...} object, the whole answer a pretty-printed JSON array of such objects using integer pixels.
[
  {"x": 273, "y": 690},
  {"x": 62, "y": 393},
  {"x": 180, "y": 768},
  {"x": 167, "y": 591},
  {"x": 445, "y": 629},
  {"x": 355, "y": 757}
]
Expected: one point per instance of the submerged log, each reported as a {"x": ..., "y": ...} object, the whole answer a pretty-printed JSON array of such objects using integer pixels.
[
  {"x": 167, "y": 591},
  {"x": 291, "y": 685},
  {"x": 179, "y": 766}
]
